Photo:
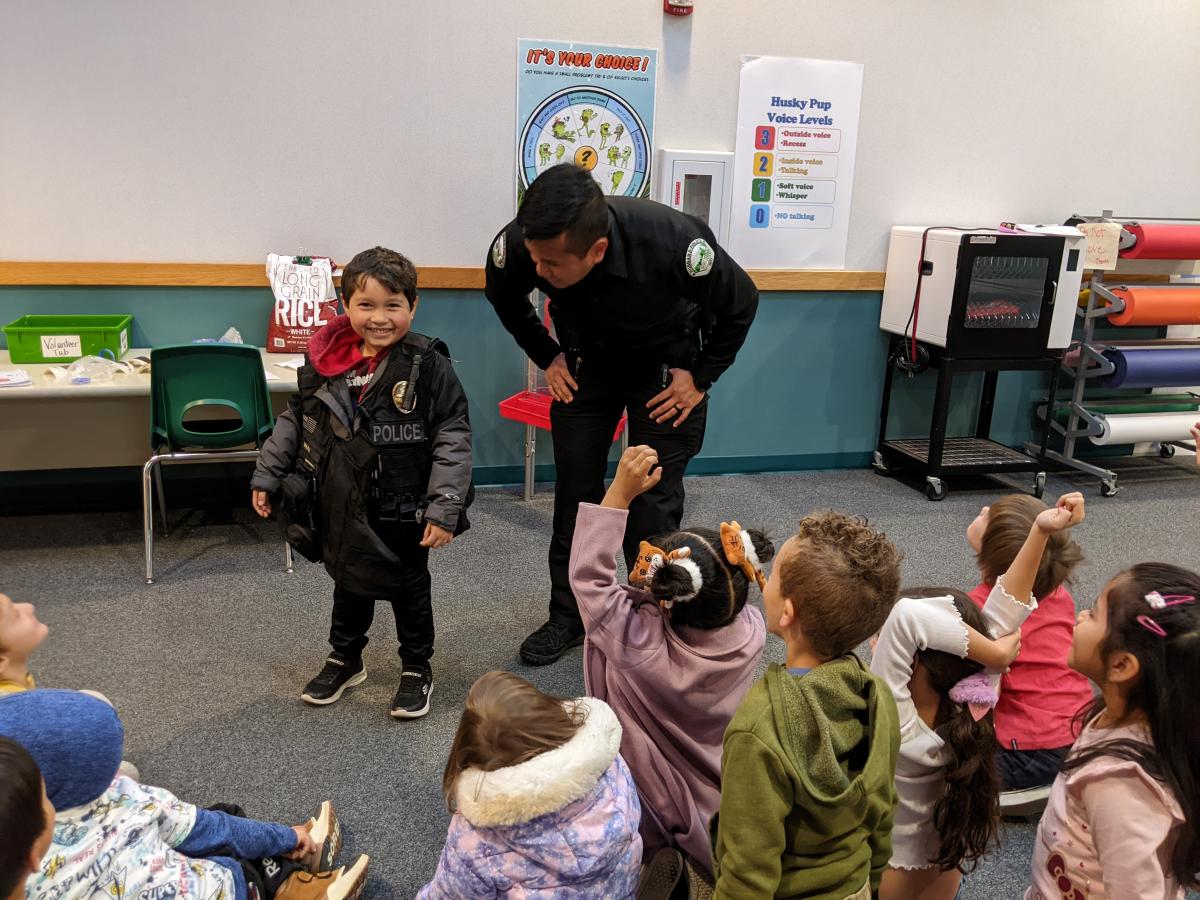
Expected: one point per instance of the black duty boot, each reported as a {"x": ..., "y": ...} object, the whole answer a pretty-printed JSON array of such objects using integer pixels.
[{"x": 550, "y": 642}]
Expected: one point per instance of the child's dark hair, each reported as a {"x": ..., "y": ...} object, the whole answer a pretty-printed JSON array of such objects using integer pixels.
[
  {"x": 22, "y": 819},
  {"x": 842, "y": 579},
  {"x": 507, "y": 721},
  {"x": 393, "y": 270},
  {"x": 564, "y": 198},
  {"x": 967, "y": 815},
  {"x": 1169, "y": 670},
  {"x": 724, "y": 588},
  {"x": 1010, "y": 520}
]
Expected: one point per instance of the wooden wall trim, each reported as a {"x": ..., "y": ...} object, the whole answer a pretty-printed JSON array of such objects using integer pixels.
[
  {"x": 169, "y": 274},
  {"x": 157, "y": 274}
]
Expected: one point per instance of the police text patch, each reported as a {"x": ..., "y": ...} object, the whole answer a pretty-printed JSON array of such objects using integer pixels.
[
  {"x": 383, "y": 433},
  {"x": 699, "y": 258},
  {"x": 499, "y": 251}
]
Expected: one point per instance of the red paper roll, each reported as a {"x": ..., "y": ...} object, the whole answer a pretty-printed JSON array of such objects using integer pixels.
[
  {"x": 1163, "y": 242},
  {"x": 1158, "y": 306}
]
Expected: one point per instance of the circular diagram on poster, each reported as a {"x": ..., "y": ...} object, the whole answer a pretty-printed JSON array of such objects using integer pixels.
[{"x": 596, "y": 130}]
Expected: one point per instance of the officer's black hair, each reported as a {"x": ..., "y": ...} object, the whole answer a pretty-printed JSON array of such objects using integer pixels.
[
  {"x": 724, "y": 588},
  {"x": 393, "y": 270},
  {"x": 22, "y": 818},
  {"x": 564, "y": 198}
]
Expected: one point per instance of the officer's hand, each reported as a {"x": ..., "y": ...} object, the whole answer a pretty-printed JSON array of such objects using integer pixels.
[
  {"x": 679, "y": 399},
  {"x": 637, "y": 472},
  {"x": 261, "y": 501},
  {"x": 558, "y": 377},
  {"x": 436, "y": 536}
]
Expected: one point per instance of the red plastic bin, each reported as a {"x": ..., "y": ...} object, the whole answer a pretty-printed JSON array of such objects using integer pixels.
[{"x": 533, "y": 408}]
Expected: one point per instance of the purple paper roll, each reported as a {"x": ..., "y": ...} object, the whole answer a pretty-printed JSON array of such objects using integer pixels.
[{"x": 1143, "y": 368}]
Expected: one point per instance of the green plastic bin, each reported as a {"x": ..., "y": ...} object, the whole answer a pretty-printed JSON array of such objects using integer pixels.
[{"x": 56, "y": 339}]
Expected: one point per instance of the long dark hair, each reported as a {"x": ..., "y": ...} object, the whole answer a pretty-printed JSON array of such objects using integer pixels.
[
  {"x": 507, "y": 721},
  {"x": 723, "y": 588},
  {"x": 967, "y": 814},
  {"x": 22, "y": 819},
  {"x": 1169, "y": 670}
]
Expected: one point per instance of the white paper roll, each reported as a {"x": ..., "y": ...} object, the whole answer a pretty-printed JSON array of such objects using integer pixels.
[{"x": 1136, "y": 427}]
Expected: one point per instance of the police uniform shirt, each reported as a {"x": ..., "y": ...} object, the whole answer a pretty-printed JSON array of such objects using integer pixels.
[{"x": 662, "y": 275}]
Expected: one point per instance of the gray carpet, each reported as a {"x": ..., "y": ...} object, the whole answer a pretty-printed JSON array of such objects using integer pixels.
[{"x": 206, "y": 666}]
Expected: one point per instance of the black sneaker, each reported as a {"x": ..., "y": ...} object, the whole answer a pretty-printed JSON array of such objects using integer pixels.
[
  {"x": 333, "y": 680},
  {"x": 412, "y": 697},
  {"x": 550, "y": 642}
]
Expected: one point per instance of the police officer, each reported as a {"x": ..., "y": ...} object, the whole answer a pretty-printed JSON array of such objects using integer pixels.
[{"x": 649, "y": 311}]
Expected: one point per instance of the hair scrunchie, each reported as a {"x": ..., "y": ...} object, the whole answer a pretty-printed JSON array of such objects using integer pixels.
[
  {"x": 651, "y": 559},
  {"x": 740, "y": 552}
]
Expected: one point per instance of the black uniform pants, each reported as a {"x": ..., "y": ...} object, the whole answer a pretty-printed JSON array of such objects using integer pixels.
[
  {"x": 582, "y": 432},
  {"x": 411, "y": 599}
]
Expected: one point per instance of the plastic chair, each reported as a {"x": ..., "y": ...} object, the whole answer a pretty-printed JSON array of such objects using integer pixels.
[
  {"x": 190, "y": 383},
  {"x": 531, "y": 407}
]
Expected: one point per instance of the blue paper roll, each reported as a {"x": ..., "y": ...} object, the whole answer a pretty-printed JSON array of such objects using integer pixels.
[{"x": 1144, "y": 368}]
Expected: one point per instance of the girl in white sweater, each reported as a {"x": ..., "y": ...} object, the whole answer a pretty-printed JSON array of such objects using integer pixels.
[{"x": 932, "y": 652}]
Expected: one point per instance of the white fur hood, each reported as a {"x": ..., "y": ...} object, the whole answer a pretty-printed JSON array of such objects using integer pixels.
[{"x": 546, "y": 783}]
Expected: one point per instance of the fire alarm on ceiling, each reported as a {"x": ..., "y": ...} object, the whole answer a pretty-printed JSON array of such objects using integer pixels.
[{"x": 679, "y": 7}]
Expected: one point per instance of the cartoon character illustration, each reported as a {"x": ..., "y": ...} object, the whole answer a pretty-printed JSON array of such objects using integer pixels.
[
  {"x": 560, "y": 131},
  {"x": 613, "y": 153},
  {"x": 53, "y": 864},
  {"x": 558, "y": 154},
  {"x": 605, "y": 128},
  {"x": 625, "y": 157},
  {"x": 67, "y": 834},
  {"x": 113, "y": 885},
  {"x": 544, "y": 153},
  {"x": 617, "y": 132},
  {"x": 616, "y": 180},
  {"x": 587, "y": 115},
  {"x": 100, "y": 810}
]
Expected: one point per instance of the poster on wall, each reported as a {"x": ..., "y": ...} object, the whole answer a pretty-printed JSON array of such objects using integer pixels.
[
  {"x": 793, "y": 168},
  {"x": 590, "y": 104}
]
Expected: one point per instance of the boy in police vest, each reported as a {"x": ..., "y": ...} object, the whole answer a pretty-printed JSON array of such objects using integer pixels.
[{"x": 371, "y": 468}]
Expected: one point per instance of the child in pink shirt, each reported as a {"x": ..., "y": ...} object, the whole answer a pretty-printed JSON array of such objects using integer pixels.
[
  {"x": 1123, "y": 819},
  {"x": 1040, "y": 696},
  {"x": 673, "y": 656}
]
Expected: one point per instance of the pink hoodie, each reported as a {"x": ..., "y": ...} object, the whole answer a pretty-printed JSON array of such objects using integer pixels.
[{"x": 674, "y": 690}]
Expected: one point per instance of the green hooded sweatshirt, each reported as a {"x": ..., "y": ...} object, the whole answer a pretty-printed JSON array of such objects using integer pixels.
[{"x": 807, "y": 785}]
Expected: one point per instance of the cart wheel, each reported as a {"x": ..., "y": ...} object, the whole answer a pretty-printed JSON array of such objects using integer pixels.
[
  {"x": 1039, "y": 484},
  {"x": 1166, "y": 451},
  {"x": 879, "y": 465},
  {"x": 934, "y": 489},
  {"x": 1108, "y": 488}
]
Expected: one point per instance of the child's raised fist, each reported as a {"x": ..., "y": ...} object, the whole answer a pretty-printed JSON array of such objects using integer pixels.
[
  {"x": 637, "y": 472},
  {"x": 1067, "y": 513}
]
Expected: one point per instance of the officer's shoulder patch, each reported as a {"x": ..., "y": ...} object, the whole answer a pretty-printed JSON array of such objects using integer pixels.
[
  {"x": 699, "y": 258},
  {"x": 500, "y": 251}
]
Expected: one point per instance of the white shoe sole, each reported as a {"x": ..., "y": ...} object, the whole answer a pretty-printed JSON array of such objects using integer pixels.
[
  {"x": 413, "y": 714},
  {"x": 326, "y": 832},
  {"x": 1028, "y": 802},
  {"x": 351, "y": 883},
  {"x": 354, "y": 680}
]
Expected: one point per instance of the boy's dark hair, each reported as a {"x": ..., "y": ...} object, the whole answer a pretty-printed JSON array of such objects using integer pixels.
[
  {"x": 1164, "y": 692},
  {"x": 842, "y": 578},
  {"x": 393, "y": 270},
  {"x": 22, "y": 819},
  {"x": 1009, "y": 522},
  {"x": 564, "y": 198},
  {"x": 723, "y": 589},
  {"x": 967, "y": 815}
]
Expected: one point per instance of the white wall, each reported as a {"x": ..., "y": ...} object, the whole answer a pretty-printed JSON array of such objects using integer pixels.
[{"x": 216, "y": 131}]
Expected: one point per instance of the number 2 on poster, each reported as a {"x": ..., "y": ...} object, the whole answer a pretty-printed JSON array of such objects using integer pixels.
[{"x": 764, "y": 163}]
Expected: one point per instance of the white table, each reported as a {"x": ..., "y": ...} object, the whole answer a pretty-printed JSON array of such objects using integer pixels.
[{"x": 57, "y": 425}]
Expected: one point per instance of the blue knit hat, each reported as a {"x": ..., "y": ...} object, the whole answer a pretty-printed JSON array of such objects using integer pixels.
[{"x": 75, "y": 739}]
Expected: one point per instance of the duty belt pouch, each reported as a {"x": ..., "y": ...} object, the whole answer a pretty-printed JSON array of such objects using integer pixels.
[{"x": 297, "y": 516}]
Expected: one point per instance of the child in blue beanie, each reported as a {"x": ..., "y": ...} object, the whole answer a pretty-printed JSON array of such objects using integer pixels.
[{"x": 125, "y": 839}]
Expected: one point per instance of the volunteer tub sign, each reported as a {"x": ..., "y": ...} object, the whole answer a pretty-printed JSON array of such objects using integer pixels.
[
  {"x": 794, "y": 166},
  {"x": 57, "y": 346}
]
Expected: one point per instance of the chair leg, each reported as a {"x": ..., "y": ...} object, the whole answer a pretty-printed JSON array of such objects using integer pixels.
[
  {"x": 287, "y": 556},
  {"x": 530, "y": 460},
  {"x": 162, "y": 498},
  {"x": 148, "y": 516}
]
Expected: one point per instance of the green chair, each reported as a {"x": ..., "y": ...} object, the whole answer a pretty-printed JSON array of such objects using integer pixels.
[{"x": 208, "y": 403}]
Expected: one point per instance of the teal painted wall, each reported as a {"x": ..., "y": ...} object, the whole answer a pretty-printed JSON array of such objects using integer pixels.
[{"x": 804, "y": 392}]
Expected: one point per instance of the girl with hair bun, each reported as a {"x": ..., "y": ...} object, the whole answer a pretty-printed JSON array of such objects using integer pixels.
[{"x": 673, "y": 653}]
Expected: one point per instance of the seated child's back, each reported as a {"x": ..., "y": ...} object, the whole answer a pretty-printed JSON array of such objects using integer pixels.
[{"x": 807, "y": 774}]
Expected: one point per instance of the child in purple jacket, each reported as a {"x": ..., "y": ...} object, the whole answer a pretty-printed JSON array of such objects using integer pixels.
[
  {"x": 673, "y": 656},
  {"x": 543, "y": 804}
]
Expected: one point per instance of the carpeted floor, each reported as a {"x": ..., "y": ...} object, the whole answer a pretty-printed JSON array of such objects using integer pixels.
[{"x": 206, "y": 666}]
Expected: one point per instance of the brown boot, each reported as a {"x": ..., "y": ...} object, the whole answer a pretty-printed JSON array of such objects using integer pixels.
[
  {"x": 340, "y": 884},
  {"x": 326, "y": 832}
]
